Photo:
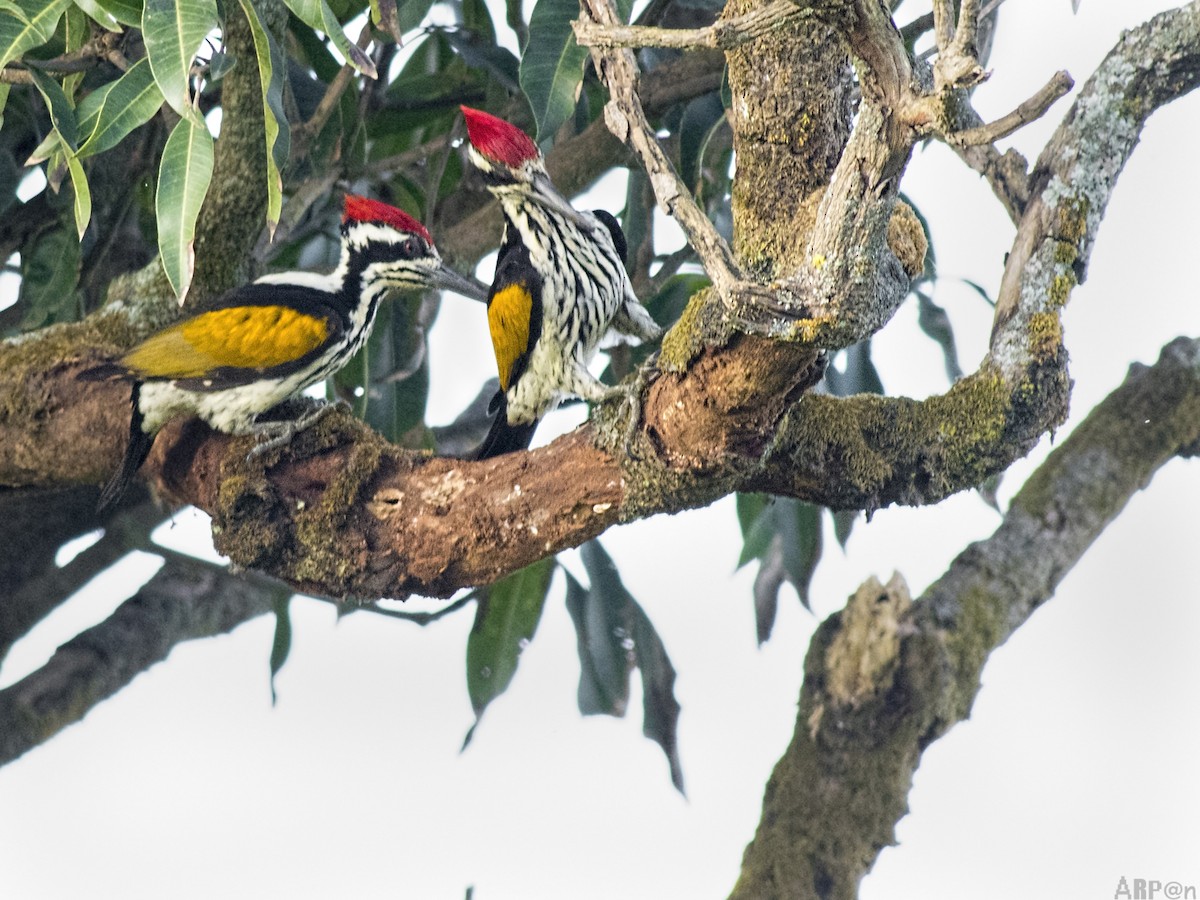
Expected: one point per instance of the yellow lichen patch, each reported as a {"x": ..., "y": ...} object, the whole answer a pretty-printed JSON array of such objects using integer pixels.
[
  {"x": 818, "y": 261},
  {"x": 860, "y": 661},
  {"x": 1072, "y": 220},
  {"x": 683, "y": 341},
  {"x": 808, "y": 330},
  {"x": 906, "y": 239},
  {"x": 509, "y": 311},
  {"x": 1045, "y": 335},
  {"x": 1060, "y": 289},
  {"x": 246, "y": 337}
]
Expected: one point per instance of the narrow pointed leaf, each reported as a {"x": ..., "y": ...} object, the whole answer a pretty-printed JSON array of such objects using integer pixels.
[
  {"x": 98, "y": 14},
  {"x": 183, "y": 177},
  {"x": 660, "y": 709},
  {"x": 552, "y": 66},
  {"x": 317, "y": 14},
  {"x": 62, "y": 116},
  {"x": 933, "y": 320},
  {"x": 604, "y": 645},
  {"x": 127, "y": 12},
  {"x": 83, "y": 195},
  {"x": 505, "y": 621},
  {"x": 49, "y": 273},
  {"x": 281, "y": 644},
  {"x": 272, "y": 69},
  {"x": 798, "y": 525},
  {"x": 111, "y": 112},
  {"x": 386, "y": 19},
  {"x": 33, "y": 26},
  {"x": 767, "y": 583},
  {"x": 173, "y": 31}
]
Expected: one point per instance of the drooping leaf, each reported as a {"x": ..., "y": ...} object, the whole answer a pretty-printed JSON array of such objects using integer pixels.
[
  {"x": 101, "y": 16},
  {"x": 767, "y": 583},
  {"x": 281, "y": 643},
  {"x": 798, "y": 525},
  {"x": 412, "y": 13},
  {"x": 49, "y": 273},
  {"x": 843, "y": 524},
  {"x": 173, "y": 31},
  {"x": 756, "y": 538},
  {"x": 317, "y": 14},
  {"x": 127, "y": 12},
  {"x": 111, "y": 112},
  {"x": 701, "y": 117},
  {"x": 660, "y": 709},
  {"x": 552, "y": 67},
  {"x": 25, "y": 24},
  {"x": 604, "y": 646},
  {"x": 933, "y": 320},
  {"x": 183, "y": 177},
  {"x": 980, "y": 290},
  {"x": 505, "y": 622},
  {"x": 272, "y": 69},
  {"x": 483, "y": 56},
  {"x": 83, "y": 194},
  {"x": 62, "y": 116}
]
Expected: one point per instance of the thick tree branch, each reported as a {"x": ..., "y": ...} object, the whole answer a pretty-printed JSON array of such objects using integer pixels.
[
  {"x": 184, "y": 600},
  {"x": 723, "y": 35},
  {"x": 885, "y": 677},
  {"x": 345, "y": 515}
]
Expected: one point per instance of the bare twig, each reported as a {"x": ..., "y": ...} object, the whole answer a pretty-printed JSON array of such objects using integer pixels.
[
  {"x": 1033, "y": 108},
  {"x": 303, "y": 134}
]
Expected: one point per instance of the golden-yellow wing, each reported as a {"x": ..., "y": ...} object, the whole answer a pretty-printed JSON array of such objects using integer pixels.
[
  {"x": 254, "y": 337},
  {"x": 509, "y": 312}
]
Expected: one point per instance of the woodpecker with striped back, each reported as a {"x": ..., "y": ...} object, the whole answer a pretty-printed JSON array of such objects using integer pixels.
[
  {"x": 261, "y": 344},
  {"x": 560, "y": 285}
]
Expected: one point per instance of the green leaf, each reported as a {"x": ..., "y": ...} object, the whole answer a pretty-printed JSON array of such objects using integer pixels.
[
  {"x": 127, "y": 12},
  {"x": 101, "y": 16},
  {"x": 272, "y": 71},
  {"x": 604, "y": 645},
  {"x": 933, "y": 320},
  {"x": 62, "y": 116},
  {"x": 798, "y": 525},
  {"x": 757, "y": 539},
  {"x": 749, "y": 508},
  {"x": 183, "y": 177},
  {"x": 412, "y": 13},
  {"x": 505, "y": 621},
  {"x": 49, "y": 273},
  {"x": 173, "y": 31},
  {"x": 25, "y": 24},
  {"x": 980, "y": 290},
  {"x": 83, "y": 195},
  {"x": 843, "y": 524},
  {"x": 552, "y": 67},
  {"x": 281, "y": 644},
  {"x": 4, "y": 90},
  {"x": 701, "y": 118},
  {"x": 111, "y": 112},
  {"x": 317, "y": 14},
  {"x": 660, "y": 709}
]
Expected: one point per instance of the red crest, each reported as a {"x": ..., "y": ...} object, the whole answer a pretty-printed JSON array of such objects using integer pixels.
[
  {"x": 364, "y": 209},
  {"x": 497, "y": 140}
]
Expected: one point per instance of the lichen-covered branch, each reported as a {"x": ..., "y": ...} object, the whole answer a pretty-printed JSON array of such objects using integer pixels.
[
  {"x": 723, "y": 34},
  {"x": 887, "y": 676},
  {"x": 184, "y": 600}
]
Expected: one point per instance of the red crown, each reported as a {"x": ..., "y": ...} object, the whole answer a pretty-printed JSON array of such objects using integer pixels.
[
  {"x": 364, "y": 209},
  {"x": 497, "y": 140}
]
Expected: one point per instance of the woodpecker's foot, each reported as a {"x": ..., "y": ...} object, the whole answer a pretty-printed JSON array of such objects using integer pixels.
[{"x": 274, "y": 434}]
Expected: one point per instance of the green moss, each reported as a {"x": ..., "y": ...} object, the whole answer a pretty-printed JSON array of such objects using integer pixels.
[
  {"x": 979, "y": 629},
  {"x": 1060, "y": 289},
  {"x": 1045, "y": 335},
  {"x": 1065, "y": 253}
]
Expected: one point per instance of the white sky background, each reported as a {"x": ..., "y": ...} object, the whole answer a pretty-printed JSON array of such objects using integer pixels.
[{"x": 1078, "y": 765}]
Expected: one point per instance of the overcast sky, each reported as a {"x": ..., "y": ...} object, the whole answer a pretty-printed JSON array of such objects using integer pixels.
[{"x": 1078, "y": 766}]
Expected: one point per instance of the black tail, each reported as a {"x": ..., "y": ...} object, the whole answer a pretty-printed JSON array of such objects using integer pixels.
[
  {"x": 503, "y": 437},
  {"x": 136, "y": 452}
]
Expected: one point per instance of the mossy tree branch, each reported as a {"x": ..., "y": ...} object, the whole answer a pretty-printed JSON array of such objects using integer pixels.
[{"x": 887, "y": 676}]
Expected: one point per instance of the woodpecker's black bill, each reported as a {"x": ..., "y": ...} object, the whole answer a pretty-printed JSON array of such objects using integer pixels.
[{"x": 446, "y": 279}]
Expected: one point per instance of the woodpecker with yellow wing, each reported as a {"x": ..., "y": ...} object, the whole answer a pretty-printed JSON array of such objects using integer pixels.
[
  {"x": 262, "y": 343},
  {"x": 560, "y": 285}
]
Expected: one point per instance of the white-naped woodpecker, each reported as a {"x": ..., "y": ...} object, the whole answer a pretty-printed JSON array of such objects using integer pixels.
[
  {"x": 560, "y": 285},
  {"x": 261, "y": 344}
]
